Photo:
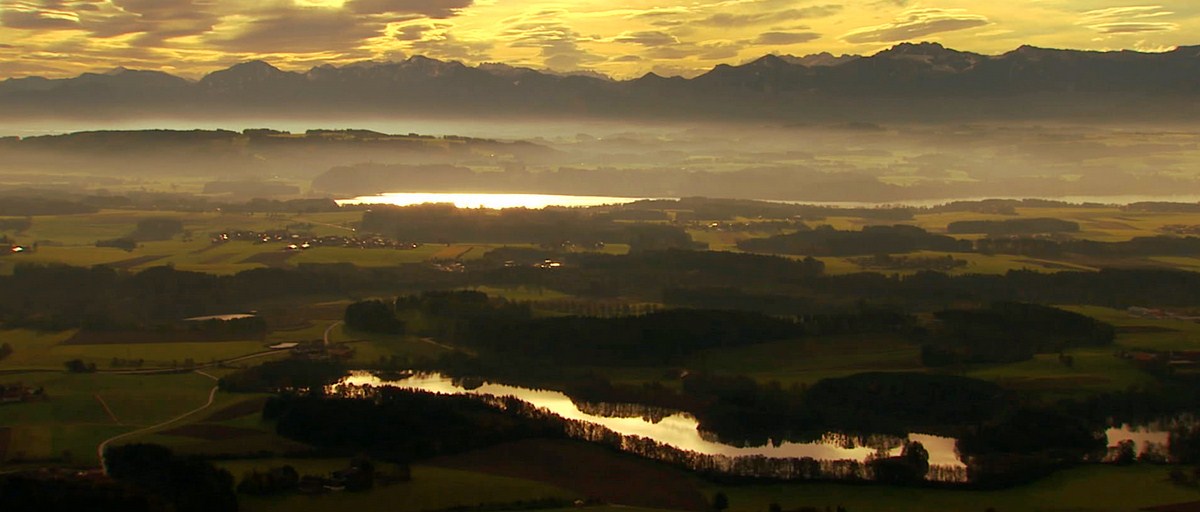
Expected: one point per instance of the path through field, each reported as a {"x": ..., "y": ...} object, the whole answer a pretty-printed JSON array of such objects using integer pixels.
[{"x": 211, "y": 396}]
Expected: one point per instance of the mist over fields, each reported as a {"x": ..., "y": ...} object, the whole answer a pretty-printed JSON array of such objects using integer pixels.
[
  {"x": 916, "y": 122},
  {"x": 845, "y": 161}
]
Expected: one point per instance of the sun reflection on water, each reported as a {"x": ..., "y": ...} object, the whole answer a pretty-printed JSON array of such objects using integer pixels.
[{"x": 493, "y": 201}]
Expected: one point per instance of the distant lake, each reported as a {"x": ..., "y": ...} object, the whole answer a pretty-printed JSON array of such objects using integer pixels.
[
  {"x": 538, "y": 201},
  {"x": 496, "y": 201}
]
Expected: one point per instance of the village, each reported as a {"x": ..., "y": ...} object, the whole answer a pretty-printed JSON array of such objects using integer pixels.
[{"x": 303, "y": 241}]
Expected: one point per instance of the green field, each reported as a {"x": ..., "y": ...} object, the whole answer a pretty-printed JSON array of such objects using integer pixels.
[
  {"x": 36, "y": 350},
  {"x": 70, "y": 239},
  {"x": 809, "y": 360},
  {"x": 1090, "y": 488},
  {"x": 1095, "y": 370},
  {"x": 73, "y": 419}
]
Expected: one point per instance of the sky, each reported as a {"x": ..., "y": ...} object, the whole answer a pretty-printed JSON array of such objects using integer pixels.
[{"x": 620, "y": 38}]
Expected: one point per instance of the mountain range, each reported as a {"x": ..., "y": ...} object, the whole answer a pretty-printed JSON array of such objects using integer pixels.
[{"x": 918, "y": 82}]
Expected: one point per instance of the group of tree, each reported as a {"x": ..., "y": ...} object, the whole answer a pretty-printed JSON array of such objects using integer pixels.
[
  {"x": 827, "y": 241},
  {"x": 278, "y": 480},
  {"x": 16, "y": 225},
  {"x": 187, "y": 484},
  {"x": 156, "y": 228},
  {"x": 1012, "y": 226},
  {"x": 402, "y": 425},
  {"x": 1006, "y": 332},
  {"x": 1040, "y": 247},
  {"x": 60, "y": 297},
  {"x": 373, "y": 316},
  {"x": 79, "y": 366},
  {"x": 500, "y": 327},
  {"x": 1026, "y": 443},
  {"x": 945, "y": 263},
  {"x": 20, "y": 491},
  {"x": 444, "y": 223},
  {"x": 289, "y": 375}
]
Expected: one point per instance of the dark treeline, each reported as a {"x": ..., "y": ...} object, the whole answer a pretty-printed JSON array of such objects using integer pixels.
[
  {"x": 1004, "y": 443},
  {"x": 704, "y": 208},
  {"x": 156, "y": 228},
  {"x": 899, "y": 239},
  {"x": 740, "y": 410},
  {"x": 54, "y": 493},
  {"x": 900, "y": 402},
  {"x": 1012, "y": 226},
  {"x": 1026, "y": 444},
  {"x": 444, "y": 223},
  {"x": 292, "y": 375},
  {"x": 187, "y": 484},
  {"x": 1049, "y": 248},
  {"x": 646, "y": 275},
  {"x": 662, "y": 337},
  {"x": 1008, "y": 332},
  {"x": 61, "y": 297},
  {"x": 402, "y": 425},
  {"x": 57, "y": 297},
  {"x": 730, "y": 298},
  {"x": 21, "y": 206},
  {"x": 944, "y": 263},
  {"x": 1162, "y": 207},
  {"x": 826, "y": 241},
  {"x": 34, "y": 203},
  {"x": 1119, "y": 288},
  {"x": 374, "y": 316}
]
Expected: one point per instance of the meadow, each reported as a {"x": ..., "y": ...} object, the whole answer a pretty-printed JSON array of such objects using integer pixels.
[
  {"x": 84, "y": 409},
  {"x": 1090, "y": 488}
]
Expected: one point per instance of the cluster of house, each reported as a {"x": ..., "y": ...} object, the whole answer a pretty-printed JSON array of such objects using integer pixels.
[
  {"x": 304, "y": 241},
  {"x": 1180, "y": 359},
  {"x": 317, "y": 350},
  {"x": 358, "y": 476},
  {"x": 17, "y": 393},
  {"x": 1159, "y": 314},
  {"x": 11, "y": 248},
  {"x": 354, "y": 478},
  {"x": 1182, "y": 229}
]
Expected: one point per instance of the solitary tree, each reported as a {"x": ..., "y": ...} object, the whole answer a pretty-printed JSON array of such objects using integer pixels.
[{"x": 720, "y": 501}]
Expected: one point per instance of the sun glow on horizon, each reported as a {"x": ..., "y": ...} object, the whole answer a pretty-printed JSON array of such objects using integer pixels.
[{"x": 622, "y": 39}]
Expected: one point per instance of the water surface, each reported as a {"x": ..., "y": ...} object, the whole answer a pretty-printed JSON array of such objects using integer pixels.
[
  {"x": 486, "y": 200},
  {"x": 681, "y": 430}
]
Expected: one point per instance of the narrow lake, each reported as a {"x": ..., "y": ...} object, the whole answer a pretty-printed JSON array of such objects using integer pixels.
[{"x": 681, "y": 430}]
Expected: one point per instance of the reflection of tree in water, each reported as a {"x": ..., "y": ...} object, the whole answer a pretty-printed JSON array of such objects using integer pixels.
[{"x": 624, "y": 410}]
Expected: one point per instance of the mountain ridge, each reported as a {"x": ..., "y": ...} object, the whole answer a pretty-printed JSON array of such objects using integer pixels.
[{"x": 770, "y": 86}]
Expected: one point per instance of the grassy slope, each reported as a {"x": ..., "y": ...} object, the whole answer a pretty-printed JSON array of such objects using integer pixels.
[
  {"x": 73, "y": 419},
  {"x": 431, "y": 488},
  {"x": 1085, "y": 489},
  {"x": 32, "y": 349}
]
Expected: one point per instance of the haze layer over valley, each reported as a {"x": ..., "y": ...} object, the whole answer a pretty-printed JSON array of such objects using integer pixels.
[{"x": 845, "y": 162}]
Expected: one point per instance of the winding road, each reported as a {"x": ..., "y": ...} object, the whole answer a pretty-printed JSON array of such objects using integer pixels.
[
  {"x": 329, "y": 330},
  {"x": 212, "y": 394}
]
